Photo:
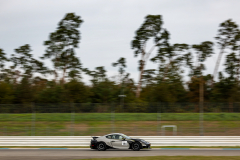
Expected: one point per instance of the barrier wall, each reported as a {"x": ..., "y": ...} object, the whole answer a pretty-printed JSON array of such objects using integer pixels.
[{"x": 154, "y": 140}]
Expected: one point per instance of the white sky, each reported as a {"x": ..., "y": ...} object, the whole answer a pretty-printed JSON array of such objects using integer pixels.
[{"x": 109, "y": 26}]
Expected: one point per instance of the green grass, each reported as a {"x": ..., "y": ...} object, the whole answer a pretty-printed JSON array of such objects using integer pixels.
[
  {"x": 172, "y": 158},
  {"x": 140, "y": 124},
  {"x": 120, "y": 117}
]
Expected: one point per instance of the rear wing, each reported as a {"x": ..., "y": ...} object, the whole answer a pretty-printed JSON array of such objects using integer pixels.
[{"x": 94, "y": 137}]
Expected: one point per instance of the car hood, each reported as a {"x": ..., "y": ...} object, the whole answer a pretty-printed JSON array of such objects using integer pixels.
[{"x": 140, "y": 140}]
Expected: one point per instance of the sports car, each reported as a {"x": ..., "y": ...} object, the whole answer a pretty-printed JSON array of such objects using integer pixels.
[{"x": 118, "y": 141}]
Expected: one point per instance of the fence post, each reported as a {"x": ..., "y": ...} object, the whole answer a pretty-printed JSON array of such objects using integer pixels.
[
  {"x": 201, "y": 103},
  {"x": 72, "y": 119},
  {"x": 33, "y": 120},
  {"x": 112, "y": 117},
  {"x": 201, "y": 119},
  {"x": 159, "y": 118}
]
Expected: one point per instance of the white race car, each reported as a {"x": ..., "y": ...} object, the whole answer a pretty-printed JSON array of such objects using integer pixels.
[{"x": 118, "y": 141}]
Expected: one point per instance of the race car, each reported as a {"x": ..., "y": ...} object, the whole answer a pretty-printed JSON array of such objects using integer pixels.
[{"x": 118, "y": 141}]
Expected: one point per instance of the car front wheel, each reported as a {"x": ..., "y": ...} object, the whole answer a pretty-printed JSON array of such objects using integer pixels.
[
  {"x": 101, "y": 146},
  {"x": 136, "y": 146}
]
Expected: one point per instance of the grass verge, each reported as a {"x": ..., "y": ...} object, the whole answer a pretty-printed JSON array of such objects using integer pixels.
[
  {"x": 173, "y": 158},
  {"x": 27, "y": 117}
]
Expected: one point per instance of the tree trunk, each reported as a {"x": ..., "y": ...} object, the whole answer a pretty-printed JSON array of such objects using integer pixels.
[
  {"x": 217, "y": 65},
  {"x": 63, "y": 77},
  {"x": 140, "y": 82},
  {"x": 201, "y": 91},
  {"x": 140, "y": 76},
  {"x": 144, "y": 60},
  {"x": 201, "y": 105},
  {"x": 56, "y": 75},
  {"x": 166, "y": 70},
  {"x": 55, "y": 71}
]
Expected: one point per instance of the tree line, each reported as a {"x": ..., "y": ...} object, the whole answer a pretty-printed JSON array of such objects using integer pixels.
[{"x": 25, "y": 79}]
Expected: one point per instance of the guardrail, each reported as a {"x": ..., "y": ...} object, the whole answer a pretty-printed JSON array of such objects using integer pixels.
[{"x": 154, "y": 140}]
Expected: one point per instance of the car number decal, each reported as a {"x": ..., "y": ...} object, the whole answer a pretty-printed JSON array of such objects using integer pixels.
[{"x": 124, "y": 143}]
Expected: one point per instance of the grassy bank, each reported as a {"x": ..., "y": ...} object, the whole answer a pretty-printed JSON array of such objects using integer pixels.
[
  {"x": 49, "y": 117},
  {"x": 133, "y": 128},
  {"x": 140, "y": 124},
  {"x": 173, "y": 158}
]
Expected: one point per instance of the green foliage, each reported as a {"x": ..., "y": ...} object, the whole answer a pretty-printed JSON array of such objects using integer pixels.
[
  {"x": 121, "y": 63},
  {"x": 25, "y": 61},
  {"x": 80, "y": 117},
  {"x": 193, "y": 86},
  {"x": 232, "y": 65},
  {"x": 150, "y": 29},
  {"x": 61, "y": 44},
  {"x": 202, "y": 51},
  {"x": 227, "y": 34},
  {"x": 77, "y": 92},
  {"x": 24, "y": 80},
  {"x": 3, "y": 58},
  {"x": 6, "y": 93}
]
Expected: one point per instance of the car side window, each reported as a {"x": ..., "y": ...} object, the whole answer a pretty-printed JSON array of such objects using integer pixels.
[
  {"x": 115, "y": 136},
  {"x": 119, "y": 137},
  {"x": 109, "y": 136}
]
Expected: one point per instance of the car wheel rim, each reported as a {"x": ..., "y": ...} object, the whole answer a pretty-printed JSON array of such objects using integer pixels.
[
  {"x": 101, "y": 146},
  {"x": 135, "y": 146}
]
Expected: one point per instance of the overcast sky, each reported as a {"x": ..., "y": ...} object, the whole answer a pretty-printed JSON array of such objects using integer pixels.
[{"x": 109, "y": 26}]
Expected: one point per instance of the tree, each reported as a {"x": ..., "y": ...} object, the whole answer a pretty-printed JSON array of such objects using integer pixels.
[
  {"x": 24, "y": 60},
  {"x": 24, "y": 66},
  {"x": 76, "y": 91},
  {"x": 202, "y": 51},
  {"x": 121, "y": 64},
  {"x": 148, "y": 76},
  {"x": 170, "y": 56},
  {"x": 98, "y": 75},
  {"x": 197, "y": 84},
  {"x": 171, "y": 89},
  {"x": 6, "y": 93},
  {"x": 151, "y": 28},
  {"x": 232, "y": 65},
  {"x": 3, "y": 59},
  {"x": 226, "y": 38},
  {"x": 61, "y": 45}
]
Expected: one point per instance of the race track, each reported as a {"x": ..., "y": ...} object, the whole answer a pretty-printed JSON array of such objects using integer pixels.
[{"x": 70, "y": 154}]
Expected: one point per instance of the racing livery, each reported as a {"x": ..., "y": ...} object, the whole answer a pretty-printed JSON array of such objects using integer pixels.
[{"x": 118, "y": 141}]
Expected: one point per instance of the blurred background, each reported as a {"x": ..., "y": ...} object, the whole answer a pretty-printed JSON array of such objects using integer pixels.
[
  {"x": 154, "y": 87},
  {"x": 134, "y": 119}
]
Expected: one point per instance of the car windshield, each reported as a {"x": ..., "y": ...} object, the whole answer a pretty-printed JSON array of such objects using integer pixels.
[{"x": 127, "y": 137}]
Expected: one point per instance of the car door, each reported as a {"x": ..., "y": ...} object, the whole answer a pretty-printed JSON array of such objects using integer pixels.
[
  {"x": 118, "y": 142},
  {"x": 108, "y": 140}
]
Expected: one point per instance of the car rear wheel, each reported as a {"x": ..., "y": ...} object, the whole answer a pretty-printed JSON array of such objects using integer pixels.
[
  {"x": 136, "y": 146},
  {"x": 101, "y": 146}
]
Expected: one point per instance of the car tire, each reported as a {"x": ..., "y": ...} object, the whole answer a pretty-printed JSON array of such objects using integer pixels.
[
  {"x": 101, "y": 146},
  {"x": 136, "y": 146}
]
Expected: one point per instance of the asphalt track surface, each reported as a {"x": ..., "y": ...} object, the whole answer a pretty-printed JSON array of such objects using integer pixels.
[{"x": 71, "y": 154}]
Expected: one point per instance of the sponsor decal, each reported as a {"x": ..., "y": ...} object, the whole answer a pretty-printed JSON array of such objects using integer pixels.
[{"x": 124, "y": 143}]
